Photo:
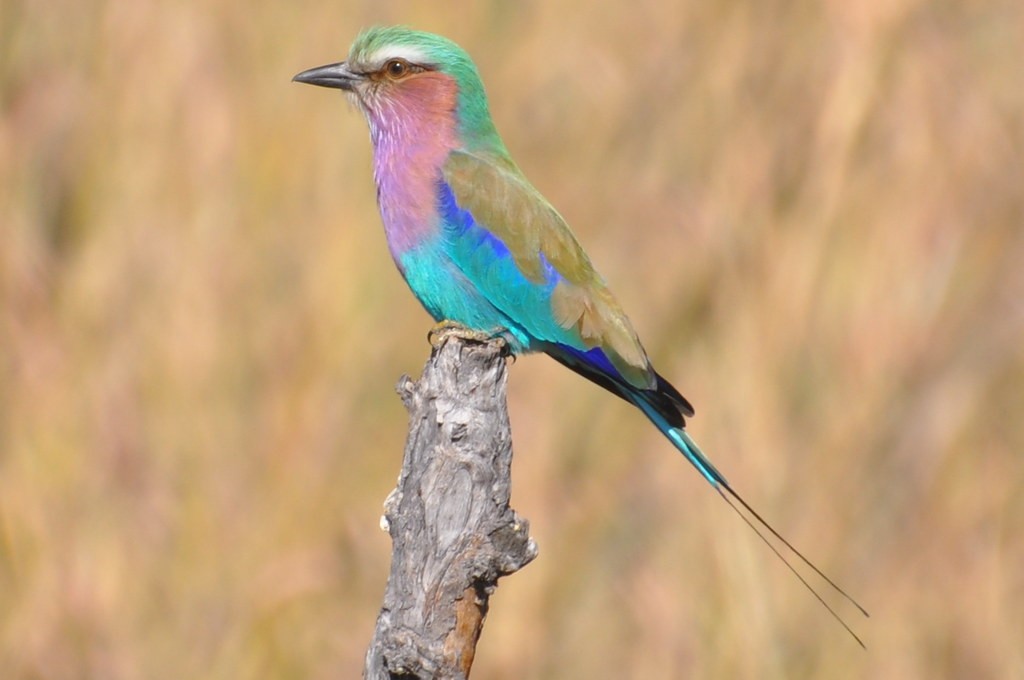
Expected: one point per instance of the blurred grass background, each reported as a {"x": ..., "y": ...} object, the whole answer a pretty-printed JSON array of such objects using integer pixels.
[{"x": 814, "y": 213}]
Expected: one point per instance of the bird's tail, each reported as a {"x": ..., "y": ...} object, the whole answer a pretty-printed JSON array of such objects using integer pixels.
[
  {"x": 666, "y": 408},
  {"x": 682, "y": 441},
  {"x": 680, "y": 438}
]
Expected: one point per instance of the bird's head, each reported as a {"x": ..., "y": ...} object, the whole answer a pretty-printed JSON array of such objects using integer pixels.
[{"x": 397, "y": 75}]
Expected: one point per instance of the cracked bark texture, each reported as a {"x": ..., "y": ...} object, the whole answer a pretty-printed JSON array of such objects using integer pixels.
[{"x": 452, "y": 530}]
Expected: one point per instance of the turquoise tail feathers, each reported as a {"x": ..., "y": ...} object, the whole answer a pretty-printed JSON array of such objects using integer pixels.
[
  {"x": 681, "y": 439},
  {"x": 666, "y": 408}
]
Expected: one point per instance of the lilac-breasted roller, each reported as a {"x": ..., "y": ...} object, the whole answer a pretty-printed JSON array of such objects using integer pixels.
[{"x": 480, "y": 247}]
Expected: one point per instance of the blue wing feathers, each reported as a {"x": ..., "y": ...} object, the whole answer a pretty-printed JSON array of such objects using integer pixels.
[
  {"x": 514, "y": 300},
  {"x": 524, "y": 306},
  {"x": 459, "y": 226}
]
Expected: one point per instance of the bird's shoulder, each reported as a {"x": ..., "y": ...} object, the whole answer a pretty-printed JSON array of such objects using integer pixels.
[{"x": 501, "y": 200}]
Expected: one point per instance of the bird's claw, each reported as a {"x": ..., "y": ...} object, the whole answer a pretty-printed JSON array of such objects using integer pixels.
[{"x": 446, "y": 329}]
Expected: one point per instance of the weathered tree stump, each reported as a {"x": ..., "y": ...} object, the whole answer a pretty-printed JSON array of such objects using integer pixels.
[{"x": 453, "y": 532}]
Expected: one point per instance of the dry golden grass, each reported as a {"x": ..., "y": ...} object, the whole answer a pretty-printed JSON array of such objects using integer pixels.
[{"x": 814, "y": 213}]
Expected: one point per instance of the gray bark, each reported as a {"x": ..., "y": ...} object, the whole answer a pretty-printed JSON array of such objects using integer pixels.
[{"x": 453, "y": 532}]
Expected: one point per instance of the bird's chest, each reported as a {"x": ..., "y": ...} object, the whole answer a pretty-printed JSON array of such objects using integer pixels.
[
  {"x": 407, "y": 198},
  {"x": 408, "y": 174},
  {"x": 407, "y": 207},
  {"x": 407, "y": 163}
]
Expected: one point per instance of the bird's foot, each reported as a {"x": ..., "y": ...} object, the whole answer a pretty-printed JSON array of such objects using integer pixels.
[{"x": 439, "y": 334}]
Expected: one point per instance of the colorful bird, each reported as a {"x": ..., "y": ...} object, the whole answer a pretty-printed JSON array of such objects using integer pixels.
[{"x": 480, "y": 247}]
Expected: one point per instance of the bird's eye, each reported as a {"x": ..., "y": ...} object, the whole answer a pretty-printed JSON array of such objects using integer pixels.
[{"x": 396, "y": 68}]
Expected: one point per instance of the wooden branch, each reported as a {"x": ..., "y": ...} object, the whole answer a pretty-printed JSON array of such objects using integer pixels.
[{"x": 453, "y": 533}]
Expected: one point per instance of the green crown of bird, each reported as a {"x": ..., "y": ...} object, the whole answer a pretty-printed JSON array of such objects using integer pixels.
[{"x": 481, "y": 248}]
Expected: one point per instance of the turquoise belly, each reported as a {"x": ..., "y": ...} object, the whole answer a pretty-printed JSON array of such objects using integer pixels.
[{"x": 447, "y": 294}]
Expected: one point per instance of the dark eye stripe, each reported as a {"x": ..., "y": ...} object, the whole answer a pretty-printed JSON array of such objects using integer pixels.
[
  {"x": 382, "y": 70},
  {"x": 410, "y": 67}
]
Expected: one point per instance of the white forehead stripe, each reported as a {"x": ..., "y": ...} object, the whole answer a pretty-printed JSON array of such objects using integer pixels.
[{"x": 411, "y": 54}]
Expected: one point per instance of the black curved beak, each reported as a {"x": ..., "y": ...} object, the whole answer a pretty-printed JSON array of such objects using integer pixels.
[{"x": 338, "y": 76}]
